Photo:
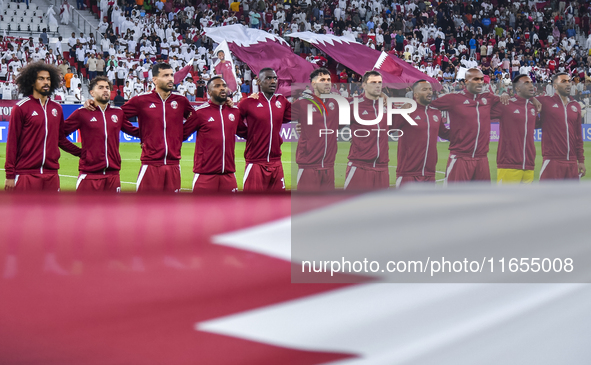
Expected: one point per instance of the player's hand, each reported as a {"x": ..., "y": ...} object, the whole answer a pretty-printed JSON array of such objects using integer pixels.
[
  {"x": 406, "y": 106},
  {"x": 9, "y": 184},
  {"x": 505, "y": 99},
  {"x": 229, "y": 102},
  {"x": 582, "y": 169},
  {"x": 299, "y": 128},
  {"x": 253, "y": 96},
  {"x": 537, "y": 104},
  {"x": 90, "y": 105}
]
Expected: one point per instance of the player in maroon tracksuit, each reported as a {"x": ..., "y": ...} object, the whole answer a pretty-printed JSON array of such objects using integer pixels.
[
  {"x": 417, "y": 147},
  {"x": 160, "y": 115},
  {"x": 263, "y": 116},
  {"x": 368, "y": 157},
  {"x": 317, "y": 145},
  {"x": 469, "y": 118},
  {"x": 224, "y": 69},
  {"x": 562, "y": 140},
  {"x": 100, "y": 161},
  {"x": 35, "y": 132},
  {"x": 216, "y": 125},
  {"x": 516, "y": 155}
]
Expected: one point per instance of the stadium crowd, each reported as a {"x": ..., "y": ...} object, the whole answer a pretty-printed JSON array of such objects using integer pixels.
[{"x": 501, "y": 38}]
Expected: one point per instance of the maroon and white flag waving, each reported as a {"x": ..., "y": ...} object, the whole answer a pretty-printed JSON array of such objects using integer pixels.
[
  {"x": 259, "y": 49},
  {"x": 360, "y": 58}
]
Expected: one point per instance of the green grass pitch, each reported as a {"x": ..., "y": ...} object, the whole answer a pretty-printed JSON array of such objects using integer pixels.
[{"x": 130, "y": 154}]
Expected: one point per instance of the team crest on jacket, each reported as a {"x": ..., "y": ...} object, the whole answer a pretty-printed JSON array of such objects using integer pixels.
[
  {"x": 484, "y": 101},
  {"x": 331, "y": 106},
  {"x": 278, "y": 104},
  {"x": 533, "y": 112},
  {"x": 436, "y": 118},
  {"x": 174, "y": 105},
  {"x": 54, "y": 112},
  {"x": 574, "y": 108},
  {"x": 114, "y": 118},
  {"x": 231, "y": 117}
]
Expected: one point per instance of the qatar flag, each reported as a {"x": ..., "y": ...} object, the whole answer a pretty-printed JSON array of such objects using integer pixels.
[
  {"x": 360, "y": 59},
  {"x": 185, "y": 281},
  {"x": 259, "y": 49}
]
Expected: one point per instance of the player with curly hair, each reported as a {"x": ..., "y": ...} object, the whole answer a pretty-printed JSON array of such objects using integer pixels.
[{"x": 35, "y": 132}]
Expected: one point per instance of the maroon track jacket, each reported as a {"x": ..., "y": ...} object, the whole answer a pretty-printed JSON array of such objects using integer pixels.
[
  {"x": 561, "y": 129},
  {"x": 516, "y": 142},
  {"x": 161, "y": 125},
  {"x": 369, "y": 143},
  {"x": 216, "y": 127},
  {"x": 469, "y": 121},
  {"x": 35, "y": 134},
  {"x": 263, "y": 118},
  {"x": 99, "y": 131},
  {"x": 317, "y": 145},
  {"x": 417, "y": 147}
]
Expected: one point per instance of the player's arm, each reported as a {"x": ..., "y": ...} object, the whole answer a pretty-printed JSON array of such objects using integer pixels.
[
  {"x": 12, "y": 143},
  {"x": 65, "y": 130},
  {"x": 444, "y": 130},
  {"x": 287, "y": 113},
  {"x": 242, "y": 129},
  {"x": 496, "y": 112},
  {"x": 130, "y": 108},
  {"x": 129, "y": 128},
  {"x": 188, "y": 108},
  {"x": 192, "y": 124},
  {"x": 579, "y": 146},
  {"x": 445, "y": 102}
]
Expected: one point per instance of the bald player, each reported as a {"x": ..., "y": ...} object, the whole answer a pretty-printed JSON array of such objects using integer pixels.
[{"x": 469, "y": 121}]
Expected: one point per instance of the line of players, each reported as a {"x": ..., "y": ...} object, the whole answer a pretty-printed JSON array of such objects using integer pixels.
[
  {"x": 470, "y": 112},
  {"x": 37, "y": 129}
]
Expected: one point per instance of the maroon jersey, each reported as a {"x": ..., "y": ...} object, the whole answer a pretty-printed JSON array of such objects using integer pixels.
[
  {"x": 263, "y": 118},
  {"x": 516, "y": 142},
  {"x": 369, "y": 143},
  {"x": 469, "y": 121},
  {"x": 99, "y": 131},
  {"x": 417, "y": 147},
  {"x": 561, "y": 129},
  {"x": 35, "y": 134},
  {"x": 216, "y": 126},
  {"x": 161, "y": 125},
  {"x": 317, "y": 146}
]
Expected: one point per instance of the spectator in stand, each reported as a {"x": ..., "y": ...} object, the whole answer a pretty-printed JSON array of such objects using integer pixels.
[
  {"x": 68, "y": 78},
  {"x": 245, "y": 89},
  {"x": 91, "y": 66},
  {"x": 191, "y": 89}
]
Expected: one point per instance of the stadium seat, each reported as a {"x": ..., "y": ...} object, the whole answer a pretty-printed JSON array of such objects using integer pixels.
[
  {"x": 3, "y": 25},
  {"x": 52, "y": 28},
  {"x": 33, "y": 6},
  {"x": 113, "y": 94}
]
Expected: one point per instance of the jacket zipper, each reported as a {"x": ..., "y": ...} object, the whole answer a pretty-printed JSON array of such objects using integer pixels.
[
  {"x": 106, "y": 148},
  {"x": 223, "y": 142},
  {"x": 428, "y": 138},
  {"x": 46, "y": 132}
]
